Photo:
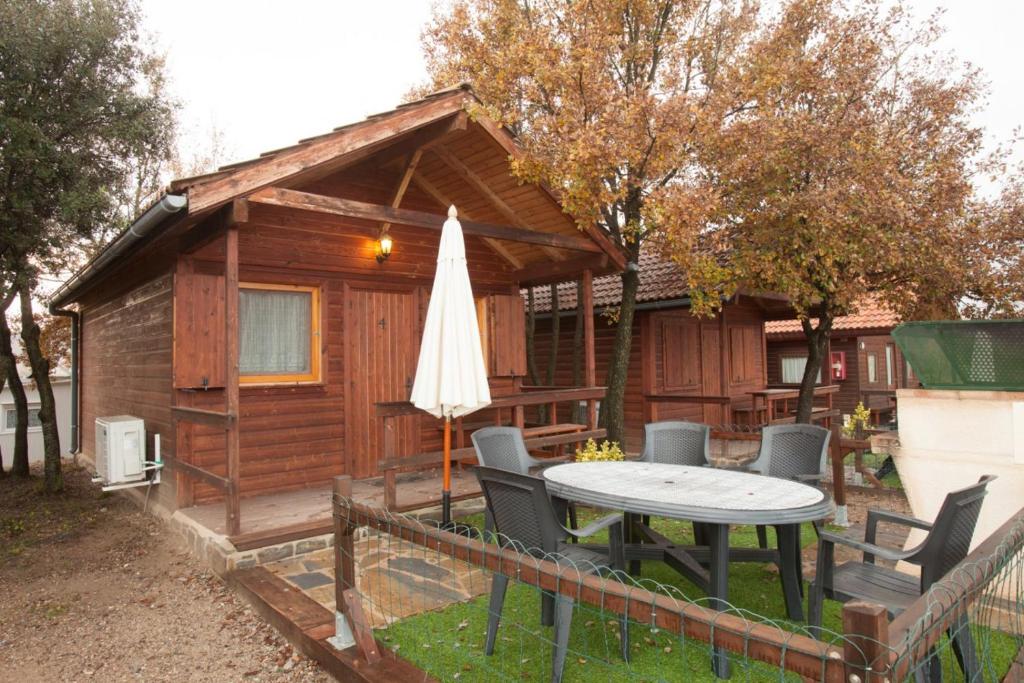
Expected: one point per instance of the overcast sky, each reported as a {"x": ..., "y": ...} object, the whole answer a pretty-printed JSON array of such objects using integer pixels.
[{"x": 267, "y": 73}]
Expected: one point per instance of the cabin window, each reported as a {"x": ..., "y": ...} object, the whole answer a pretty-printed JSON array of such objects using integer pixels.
[
  {"x": 793, "y": 370},
  {"x": 888, "y": 365},
  {"x": 872, "y": 369},
  {"x": 279, "y": 334},
  {"x": 11, "y": 418}
]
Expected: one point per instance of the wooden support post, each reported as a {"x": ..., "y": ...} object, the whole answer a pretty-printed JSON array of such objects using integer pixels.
[
  {"x": 360, "y": 628},
  {"x": 390, "y": 451},
  {"x": 866, "y": 651},
  {"x": 232, "y": 505},
  {"x": 838, "y": 475},
  {"x": 723, "y": 371},
  {"x": 589, "y": 357}
]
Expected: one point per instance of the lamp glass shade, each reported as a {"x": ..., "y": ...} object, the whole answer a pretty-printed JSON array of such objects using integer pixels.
[{"x": 384, "y": 244}]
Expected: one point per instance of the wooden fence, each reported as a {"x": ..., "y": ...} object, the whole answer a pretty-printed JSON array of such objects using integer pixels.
[{"x": 871, "y": 648}]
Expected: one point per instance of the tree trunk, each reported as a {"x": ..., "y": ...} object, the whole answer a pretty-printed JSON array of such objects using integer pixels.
[
  {"x": 817, "y": 342},
  {"x": 19, "y": 463},
  {"x": 3, "y": 380},
  {"x": 613, "y": 408},
  {"x": 579, "y": 409},
  {"x": 53, "y": 480}
]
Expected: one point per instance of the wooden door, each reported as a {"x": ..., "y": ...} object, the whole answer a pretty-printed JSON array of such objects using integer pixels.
[
  {"x": 382, "y": 336},
  {"x": 711, "y": 373}
]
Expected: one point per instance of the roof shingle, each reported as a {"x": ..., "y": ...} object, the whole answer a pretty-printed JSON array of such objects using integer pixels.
[
  {"x": 660, "y": 279},
  {"x": 871, "y": 314}
]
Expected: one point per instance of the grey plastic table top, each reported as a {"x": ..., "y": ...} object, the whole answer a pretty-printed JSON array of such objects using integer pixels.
[{"x": 700, "y": 494}]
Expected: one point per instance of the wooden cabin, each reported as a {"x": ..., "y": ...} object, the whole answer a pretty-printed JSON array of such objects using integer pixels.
[
  {"x": 862, "y": 359},
  {"x": 252, "y": 317},
  {"x": 681, "y": 366}
]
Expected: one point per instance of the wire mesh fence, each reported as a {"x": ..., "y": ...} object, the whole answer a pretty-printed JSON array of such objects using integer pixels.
[{"x": 427, "y": 593}]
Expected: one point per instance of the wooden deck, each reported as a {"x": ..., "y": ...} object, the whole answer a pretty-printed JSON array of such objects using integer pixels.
[{"x": 279, "y": 517}]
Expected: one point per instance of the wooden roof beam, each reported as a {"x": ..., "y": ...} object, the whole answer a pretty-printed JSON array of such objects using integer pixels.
[
  {"x": 478, "y": 184},
  {"x": 332, "y": 152},
  {"x": 403, "y": 184},
  {"x": 505, "y": 140},
  {"x": 445, "y": 202},
  {"x": 561, "y": 271},
  {"x": 375, "y": 212}
]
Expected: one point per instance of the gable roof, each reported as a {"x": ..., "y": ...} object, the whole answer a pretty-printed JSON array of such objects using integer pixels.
[
  {"x": 872, "y": 316},
  {"x": 191, "y": 199}
]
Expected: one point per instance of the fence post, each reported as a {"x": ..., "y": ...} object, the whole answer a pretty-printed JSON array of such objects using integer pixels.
[
  {"x": 838, "y": 476},
  {"x": 390, "y": 474},
  {"x": 344, "y": 562},
  {"x": 866, "y": 650}
]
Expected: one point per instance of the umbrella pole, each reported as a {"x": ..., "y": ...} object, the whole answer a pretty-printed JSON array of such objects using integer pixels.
[{"x": 446, "y": 493}]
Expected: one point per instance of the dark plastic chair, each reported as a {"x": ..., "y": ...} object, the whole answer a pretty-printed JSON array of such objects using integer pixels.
[
  {"x": 799, "y": 452},
  {"x": 504, "y": 448},
  {"x": 525, "y": 518},
  {"x": 947, "y": 544},
  {"x": 796, "y": 451},
  {"x": 677, "y": 443}
]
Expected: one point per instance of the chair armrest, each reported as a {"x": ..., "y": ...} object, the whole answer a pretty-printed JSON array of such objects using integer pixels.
[
  {"x": 594, "y": 527},
  {"x": 876, "y": 516},
  {"x": 807, "y": 478},
  {"x": 869, "y": 549}
]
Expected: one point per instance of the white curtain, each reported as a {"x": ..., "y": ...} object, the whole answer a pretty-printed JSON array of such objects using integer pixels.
[
  {"x": 274, "y": 332},
  {"x": 793, "y": 370}
]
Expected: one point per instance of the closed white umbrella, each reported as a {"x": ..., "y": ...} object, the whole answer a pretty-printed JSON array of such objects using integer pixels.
[{"x": 451, "y": 379}]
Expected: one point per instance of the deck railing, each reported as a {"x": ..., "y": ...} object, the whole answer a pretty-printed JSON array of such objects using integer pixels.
[{"x": 391, "y": 412}]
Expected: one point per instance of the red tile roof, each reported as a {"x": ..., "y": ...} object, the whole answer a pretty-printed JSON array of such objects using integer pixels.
[
  {"x": 659, "y": 280},
  {"x": 871, "y": 315}
]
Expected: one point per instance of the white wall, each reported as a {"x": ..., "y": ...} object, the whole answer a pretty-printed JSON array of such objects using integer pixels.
[{"x": 62, "y": 396}]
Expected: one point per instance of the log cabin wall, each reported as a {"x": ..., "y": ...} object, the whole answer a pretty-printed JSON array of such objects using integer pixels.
[
  {"x": 856, "y": 367},
  {"x": 672, "y": 352},
  {"x": 300, "y": 435},
  {"x": 126, "y": 357},
  {"x": 604, "y": 341}
]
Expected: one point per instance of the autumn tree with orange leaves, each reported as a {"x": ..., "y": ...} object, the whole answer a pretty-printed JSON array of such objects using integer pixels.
[
  {"x": 851, "y": 170},
  {"x": 609, "y": 99}
]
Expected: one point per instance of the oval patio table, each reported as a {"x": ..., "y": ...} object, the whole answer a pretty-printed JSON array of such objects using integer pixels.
[{"x": 714, "y": 499}]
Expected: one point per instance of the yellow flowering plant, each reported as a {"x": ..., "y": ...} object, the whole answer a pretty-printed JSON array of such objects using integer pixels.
[
  {"x": 860, "y": 420},
  {"x": 608, "y": 451}
]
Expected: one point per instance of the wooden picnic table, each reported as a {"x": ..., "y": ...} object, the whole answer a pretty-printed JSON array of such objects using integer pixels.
[
  {"x": 712, "y": 498},
  {"x": 766, "y": 402}
]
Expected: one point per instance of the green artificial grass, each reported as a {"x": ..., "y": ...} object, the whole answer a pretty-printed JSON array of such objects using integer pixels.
[{"x": 449, "y": 643}]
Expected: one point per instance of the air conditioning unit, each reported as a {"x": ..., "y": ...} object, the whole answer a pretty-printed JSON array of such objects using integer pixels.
[{"x": 120, "y": 449}]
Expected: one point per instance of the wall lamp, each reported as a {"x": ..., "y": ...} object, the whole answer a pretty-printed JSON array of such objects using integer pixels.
[{"x": 384, "y": 244}]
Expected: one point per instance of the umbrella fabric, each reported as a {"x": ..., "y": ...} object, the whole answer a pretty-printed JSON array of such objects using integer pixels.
[{"x": 451, "y": 379}]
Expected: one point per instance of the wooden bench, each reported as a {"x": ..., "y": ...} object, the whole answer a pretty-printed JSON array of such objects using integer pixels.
[
  {"x": 553, "y": 430},
  {"x": 536, "y": 441}
]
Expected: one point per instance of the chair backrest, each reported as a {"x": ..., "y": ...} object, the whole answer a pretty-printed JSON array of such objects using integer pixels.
[
  {"x": 791, "y": 450},
  {"x": 676, "y": 443},
  {"x": 949, "y": 540},
  {"x": 503, "y": 448},
  {"x": 521, "y": 509}
]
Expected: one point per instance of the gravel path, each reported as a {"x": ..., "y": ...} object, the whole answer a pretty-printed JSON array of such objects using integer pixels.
[{"x": 109, "y": 595}]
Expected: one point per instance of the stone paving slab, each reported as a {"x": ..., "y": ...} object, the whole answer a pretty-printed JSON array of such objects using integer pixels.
[{"x": 394, "y": 578}]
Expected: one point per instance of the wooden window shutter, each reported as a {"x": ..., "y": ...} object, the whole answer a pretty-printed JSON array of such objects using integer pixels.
[
  {"x": 680, "y": 353},
  {"x": 507, "y": 336},
  {"x": 198, "y": 330}
]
